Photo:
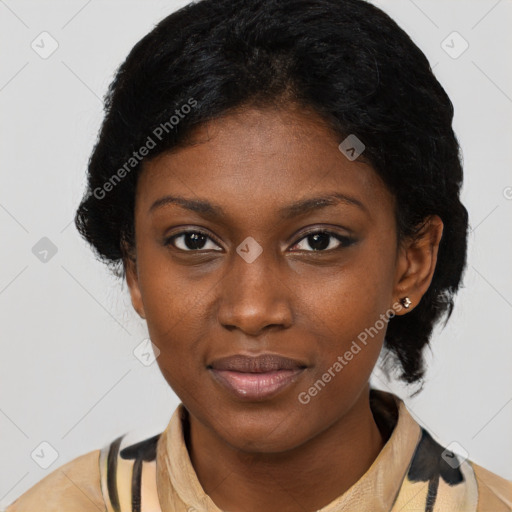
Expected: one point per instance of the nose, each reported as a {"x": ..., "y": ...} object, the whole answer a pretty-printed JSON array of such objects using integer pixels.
[{"x": 254, "y": 298}]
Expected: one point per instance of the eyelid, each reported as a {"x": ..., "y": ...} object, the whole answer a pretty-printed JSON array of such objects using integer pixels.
[
  {"x": 168, "y": 240},
  {"x": 344, "y": 240}
]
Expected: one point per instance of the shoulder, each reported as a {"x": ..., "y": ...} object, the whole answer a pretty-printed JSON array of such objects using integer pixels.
[
  {"x": 128, "y": 474},
  {"x": 494, "y": 491},
  {"x": 439, "y": 479},
  {"x": 75, "y": 484},
  {"x": 116, "y": 477}
]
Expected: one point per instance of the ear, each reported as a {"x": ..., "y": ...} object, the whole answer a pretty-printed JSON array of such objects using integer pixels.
[
  {"x": 132, "y": 280},
  {"x": 416, "y": 263}
]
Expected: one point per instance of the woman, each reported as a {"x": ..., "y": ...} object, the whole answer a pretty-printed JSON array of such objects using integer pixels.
[{"x": 278, "y": 182}]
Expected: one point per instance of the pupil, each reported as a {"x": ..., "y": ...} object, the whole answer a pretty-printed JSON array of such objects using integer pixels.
[
  {"x": 319, "y": 241},
  {"x": 194, "y": 240}
]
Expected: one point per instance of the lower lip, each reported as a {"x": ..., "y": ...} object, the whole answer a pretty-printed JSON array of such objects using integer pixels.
[{"x": 256, "y": 386}]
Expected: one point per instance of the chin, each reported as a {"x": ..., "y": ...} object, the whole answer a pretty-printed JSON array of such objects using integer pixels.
[{"x": 261, "y": 431}]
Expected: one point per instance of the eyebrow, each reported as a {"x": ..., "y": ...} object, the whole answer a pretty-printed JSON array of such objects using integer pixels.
[
  {"x": 316, "y": 203},
  {"x": 295, "y": 209}
]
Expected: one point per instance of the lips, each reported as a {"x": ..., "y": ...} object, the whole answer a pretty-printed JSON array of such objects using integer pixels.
[
  {"x": 256, "y": 378},
  {"x": 256, "y": 364}
]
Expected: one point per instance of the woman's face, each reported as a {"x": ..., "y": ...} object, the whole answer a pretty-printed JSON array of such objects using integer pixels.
[{"x": 251, "y": 277}]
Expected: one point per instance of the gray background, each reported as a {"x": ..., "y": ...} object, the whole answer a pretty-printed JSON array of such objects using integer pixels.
[{"x": 69, "y": 376}]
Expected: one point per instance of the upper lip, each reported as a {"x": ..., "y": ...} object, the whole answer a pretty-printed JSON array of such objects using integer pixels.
[{"x": 256, "y": 364}]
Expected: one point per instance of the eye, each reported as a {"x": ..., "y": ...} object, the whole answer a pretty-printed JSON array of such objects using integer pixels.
[
  {"x": 322, "y": 241},
  {"x": 190, "y": 241}
]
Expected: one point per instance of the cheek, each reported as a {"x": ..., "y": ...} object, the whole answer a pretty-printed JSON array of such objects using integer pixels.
[
  {"x": 347, "y": 349},
  {"x": 173, "y": 308},
  {"x": 348, "y": 313},
  {"x": 345, "y": 302},
  {"x": 167, "y": 296}
]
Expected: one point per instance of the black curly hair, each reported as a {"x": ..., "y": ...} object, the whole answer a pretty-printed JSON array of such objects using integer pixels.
[{"x": 347, "y": 60}]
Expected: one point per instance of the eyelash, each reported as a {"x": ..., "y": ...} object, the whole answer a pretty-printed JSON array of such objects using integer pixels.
[{"x": 345, "y": 241}]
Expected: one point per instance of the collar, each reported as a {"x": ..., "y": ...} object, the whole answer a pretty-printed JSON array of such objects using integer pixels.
[{"x": 180, "y": 490}]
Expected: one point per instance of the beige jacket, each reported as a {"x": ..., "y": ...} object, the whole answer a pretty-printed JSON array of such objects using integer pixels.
[{"x": 411, "y": 473}]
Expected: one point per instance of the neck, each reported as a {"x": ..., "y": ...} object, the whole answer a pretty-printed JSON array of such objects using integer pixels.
[{"x": 306, "y": 478}]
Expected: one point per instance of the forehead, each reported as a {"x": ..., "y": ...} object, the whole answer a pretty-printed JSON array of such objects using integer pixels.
[{"x": 260, "y": 157}]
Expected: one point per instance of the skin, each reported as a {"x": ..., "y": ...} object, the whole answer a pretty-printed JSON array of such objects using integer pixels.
[{"x": 278, "y": 454}]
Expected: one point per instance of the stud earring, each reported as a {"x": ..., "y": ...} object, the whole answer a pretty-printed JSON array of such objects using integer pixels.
[{"x": 406, "y": 302}]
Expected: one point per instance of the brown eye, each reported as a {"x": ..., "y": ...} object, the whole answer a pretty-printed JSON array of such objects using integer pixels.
[
  {"x": 322, "y": 241},
  {"x": 191, "y": 241}
]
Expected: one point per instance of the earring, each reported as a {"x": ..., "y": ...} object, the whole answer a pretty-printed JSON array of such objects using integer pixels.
[{"x": 406, "y": 302}]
